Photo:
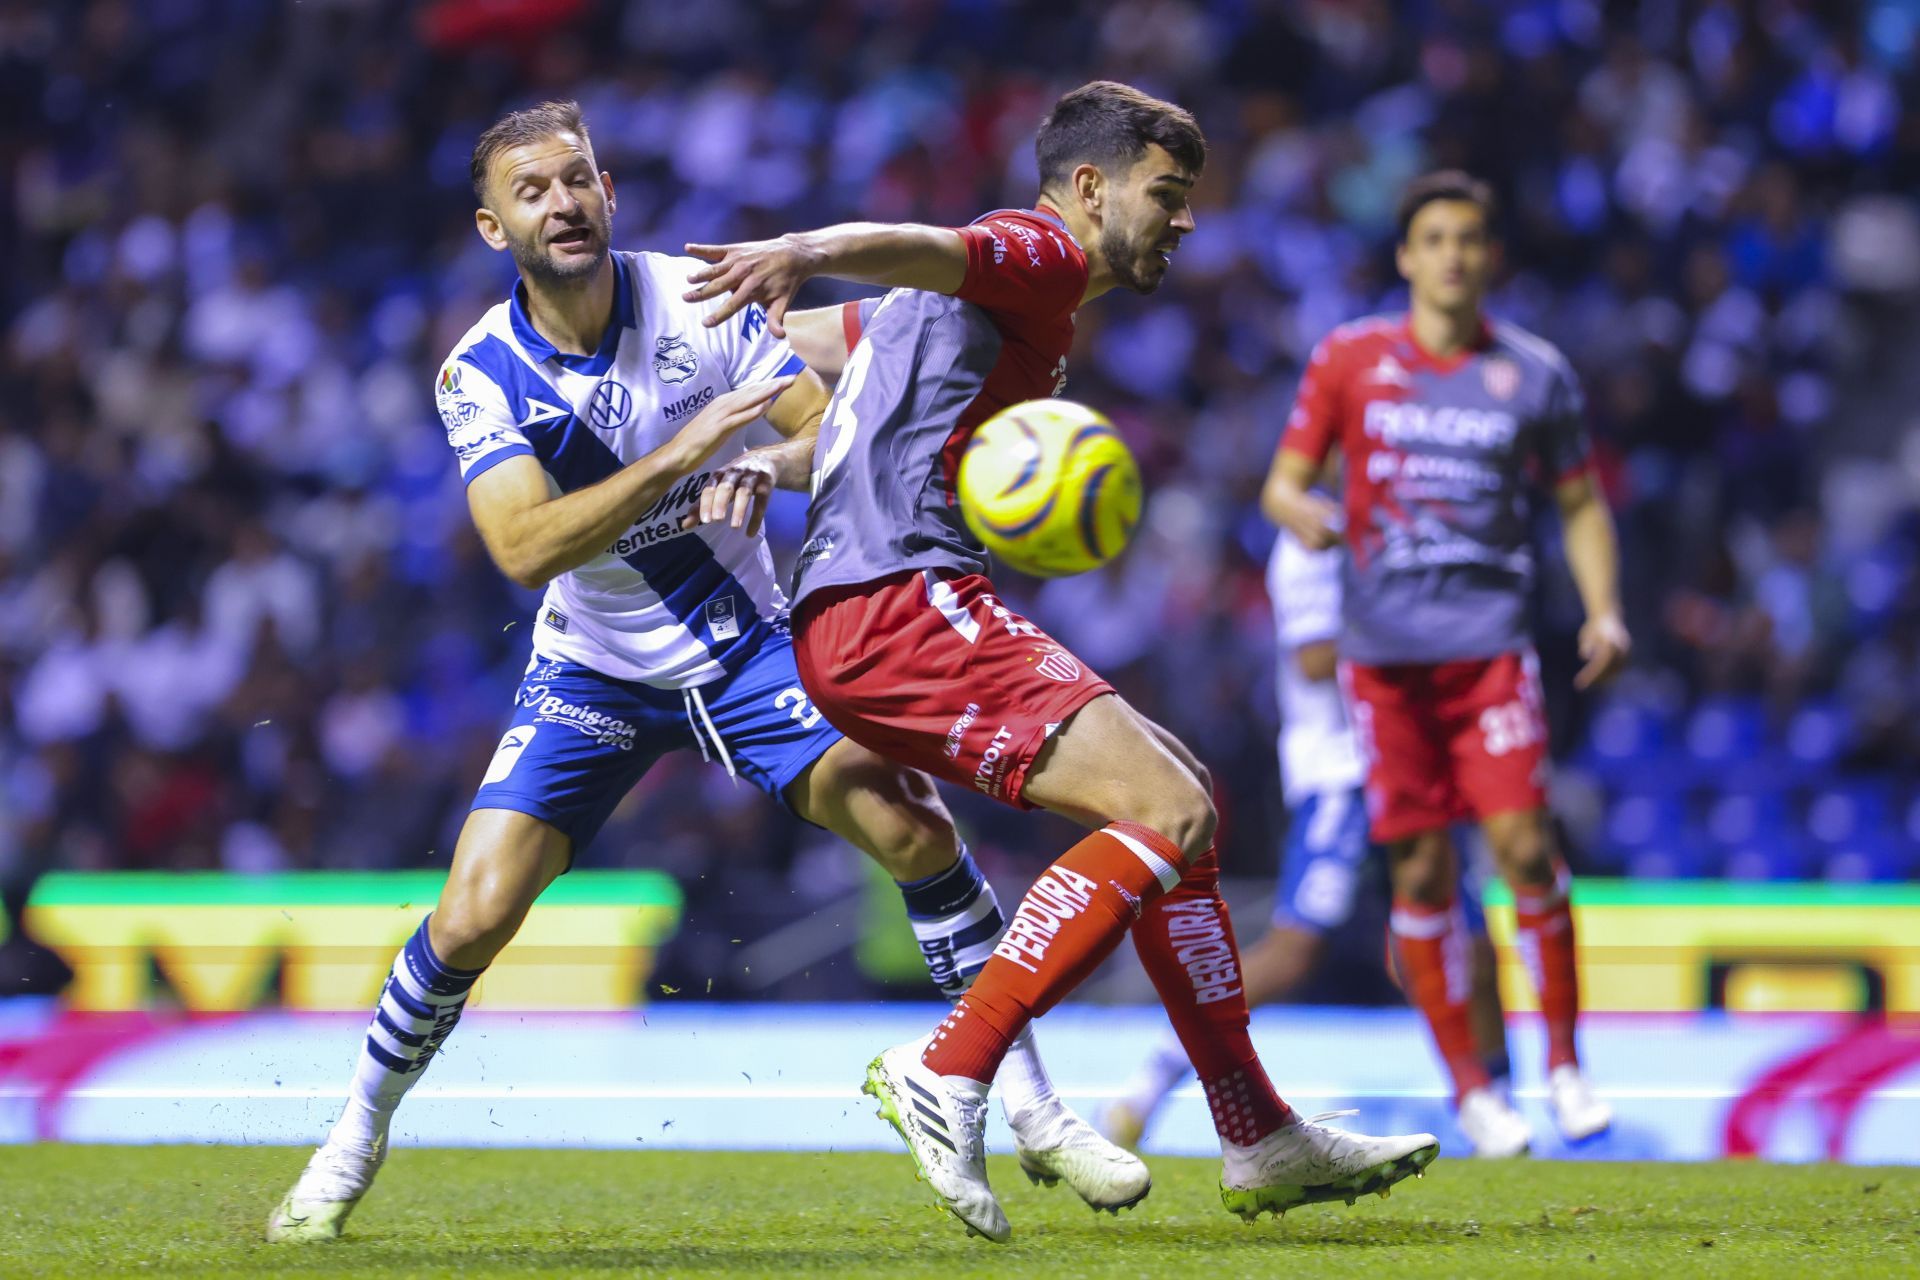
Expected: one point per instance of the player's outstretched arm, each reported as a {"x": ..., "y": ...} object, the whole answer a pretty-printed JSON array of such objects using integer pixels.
[
  {"x": 770, "y": 272},
  {"x": 1288, "y": 500},
  {"x": 1593, "y": 554},
  {"x": 535, "y": 533}
]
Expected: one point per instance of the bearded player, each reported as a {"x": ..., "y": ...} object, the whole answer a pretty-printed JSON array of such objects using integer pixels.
[
  {"x": 586, "y": 413},
  {"x": 904, "y": 646},
  {"x": 1447, "y": 423}
]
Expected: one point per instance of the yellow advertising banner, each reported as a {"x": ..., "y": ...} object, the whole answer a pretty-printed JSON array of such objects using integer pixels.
[{"x": 214, "y": 942}]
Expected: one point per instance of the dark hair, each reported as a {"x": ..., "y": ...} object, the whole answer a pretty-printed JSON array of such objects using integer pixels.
[
  {"x": 517, "y": 128},
  {"x": 1105, "y": 122},
  {"x": 1443, "y": 184}
]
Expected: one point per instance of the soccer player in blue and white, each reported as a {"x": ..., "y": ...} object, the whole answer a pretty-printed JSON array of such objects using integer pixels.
[{"x": 589, "y": 414}]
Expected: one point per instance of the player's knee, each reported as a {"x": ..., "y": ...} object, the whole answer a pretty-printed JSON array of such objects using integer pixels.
[
  {"x": 896, "y": 816},
  {"x": 1523, "y": 852},
  {"x": 918, "y": 840},
  {"x": 476, "y": 920},
  {"x": 1422, "y": 870},
  {"x": 1188, "y": 819}
]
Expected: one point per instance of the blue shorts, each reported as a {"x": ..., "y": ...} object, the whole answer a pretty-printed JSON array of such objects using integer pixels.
[
  {"x": 1326, "y": 853},
  {"x": 1325, "y": 858},
  {"x": 579, "y": 740}
]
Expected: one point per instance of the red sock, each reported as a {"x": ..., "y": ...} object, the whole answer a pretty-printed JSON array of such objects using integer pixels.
[
  {"x": 1071, "y": 919},
  {"x": 1437, "y": 971},
  {"x": 1545, "y": 939},
  {"x": 1186, "y": 944}
]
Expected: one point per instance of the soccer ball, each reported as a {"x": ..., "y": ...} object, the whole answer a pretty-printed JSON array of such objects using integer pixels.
[{"x": 1050, "y": 488}]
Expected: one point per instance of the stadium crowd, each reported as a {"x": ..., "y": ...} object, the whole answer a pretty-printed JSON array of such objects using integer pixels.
[{"x": 245, "y": 622}]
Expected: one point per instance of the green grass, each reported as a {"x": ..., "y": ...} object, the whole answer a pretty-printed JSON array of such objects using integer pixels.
[{"x": 71, "y": 1211}]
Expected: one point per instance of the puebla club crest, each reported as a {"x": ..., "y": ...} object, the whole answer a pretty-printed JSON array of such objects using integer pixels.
[{"x": 674, "y": 360}]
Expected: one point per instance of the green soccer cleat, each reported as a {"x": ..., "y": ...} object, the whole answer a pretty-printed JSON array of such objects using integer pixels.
[
  {"x": 944, "y": 1127},
  {"x": 316, "y": 1208},
  {"x": 1307, "y": 1163}
]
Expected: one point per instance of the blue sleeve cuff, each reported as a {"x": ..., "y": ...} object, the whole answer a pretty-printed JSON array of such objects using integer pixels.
[
  {"x": 497, "y": 457},
  {"x": 794, "y": 364}
]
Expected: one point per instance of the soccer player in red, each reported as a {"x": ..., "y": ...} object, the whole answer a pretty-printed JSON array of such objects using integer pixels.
[
  {"x": 904, "y": 646},
  {"x": 1446, "y": 422}
]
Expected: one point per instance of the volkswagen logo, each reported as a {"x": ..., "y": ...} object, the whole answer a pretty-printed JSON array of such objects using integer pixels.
[{"x": 611, "y": 406}]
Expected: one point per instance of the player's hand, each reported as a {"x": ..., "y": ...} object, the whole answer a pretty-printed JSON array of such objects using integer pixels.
[
  {"x": 1313, "y": 518},
  {"x": 727, "y": 414},
  {"x": 1604, "y": 646},
  {"x": 768, "y": 272},
  {"x": 738, "y": 493}
]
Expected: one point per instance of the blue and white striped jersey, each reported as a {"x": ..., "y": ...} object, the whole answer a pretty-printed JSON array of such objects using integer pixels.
[{"x": 672, "y": 608}]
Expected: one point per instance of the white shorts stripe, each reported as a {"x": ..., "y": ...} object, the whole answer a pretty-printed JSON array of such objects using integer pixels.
[
  {"x": 1409, "y": 925},
  {"x": 1165, "y": 872},
  {"x": 942, "y": 597}
]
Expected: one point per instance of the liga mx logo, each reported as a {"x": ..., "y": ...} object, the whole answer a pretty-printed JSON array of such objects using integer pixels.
[{"x": 610, "y": 407}]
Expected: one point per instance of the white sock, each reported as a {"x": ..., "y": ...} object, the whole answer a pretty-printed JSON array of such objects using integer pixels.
[{"x": 1025, "y": 1086}]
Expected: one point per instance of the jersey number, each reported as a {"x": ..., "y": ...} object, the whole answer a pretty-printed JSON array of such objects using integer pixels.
[
  {"x": 840, "y": 410},
  {"x": 794, "y": 702},
  {"x": 1509, "y": 727}
]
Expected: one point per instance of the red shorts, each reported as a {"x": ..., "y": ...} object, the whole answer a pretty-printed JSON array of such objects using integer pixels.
[
  {"x": 1449, "y": 741},
  {"x": 936, "y": 673}
]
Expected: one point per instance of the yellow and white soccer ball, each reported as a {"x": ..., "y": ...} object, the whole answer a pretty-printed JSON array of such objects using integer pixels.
[{"x": 1050, "y": 488}]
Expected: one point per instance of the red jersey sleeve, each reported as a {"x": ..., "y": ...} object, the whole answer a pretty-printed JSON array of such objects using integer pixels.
[
  {"x": 1022, "y": 264},
  {"x": 1313, "y": 428}
]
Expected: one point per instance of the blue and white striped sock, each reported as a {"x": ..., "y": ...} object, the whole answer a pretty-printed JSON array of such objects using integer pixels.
[
  {"x": 957, "y": 919},
  {"x": 418, "y": 1008}
]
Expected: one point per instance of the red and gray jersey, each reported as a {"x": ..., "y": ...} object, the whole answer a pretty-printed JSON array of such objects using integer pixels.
[
  {"x": 926, "y": 370},
  {"x": 1441, "y": 459}
]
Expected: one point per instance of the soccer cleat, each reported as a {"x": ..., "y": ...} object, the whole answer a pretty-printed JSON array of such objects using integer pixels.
[
  {"x": 1307, "y": 1163},
  {"x": 1056, "y": 1145},
  {"x": 1123, "y": 1126},
  {"x": 328, "y": 1188},
  {"x": 1491, "y": 1124},
  {"x": 1576, "y": 1109},
  {"x": 944, "y": 1128}
]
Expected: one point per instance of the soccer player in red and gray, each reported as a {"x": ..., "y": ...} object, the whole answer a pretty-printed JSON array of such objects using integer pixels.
[
  {"x": 1447, "y": 423},
  {"x": 904, "y": 646}
]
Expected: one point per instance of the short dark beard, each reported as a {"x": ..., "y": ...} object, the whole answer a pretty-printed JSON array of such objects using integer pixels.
[
  {"x": 538, "y": 265},
  {"x": 1121, "y": 261}
]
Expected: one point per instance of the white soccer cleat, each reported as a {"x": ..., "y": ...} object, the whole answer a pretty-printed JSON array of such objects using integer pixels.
[
  {"x": 328, "y": 1188},
  {"x": 1496, "y": 1130},
  {"x": 1055, "y": 1145},
  {"x": 1306, "y": 1163},
  {"x": 1576, "y": 1109},
  {"x": 944, "y": 1126}
]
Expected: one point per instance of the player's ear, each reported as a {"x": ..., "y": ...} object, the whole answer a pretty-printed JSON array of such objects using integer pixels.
[
  {"x": 490, "y": 229},
  {"x": 1400, "y": 260},
  {"x": 1090, "y": 185},
  {"x": 606, "y": 185}
]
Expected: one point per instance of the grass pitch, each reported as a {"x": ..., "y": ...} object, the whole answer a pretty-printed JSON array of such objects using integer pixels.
[{"x": 90, "y": 1211}]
